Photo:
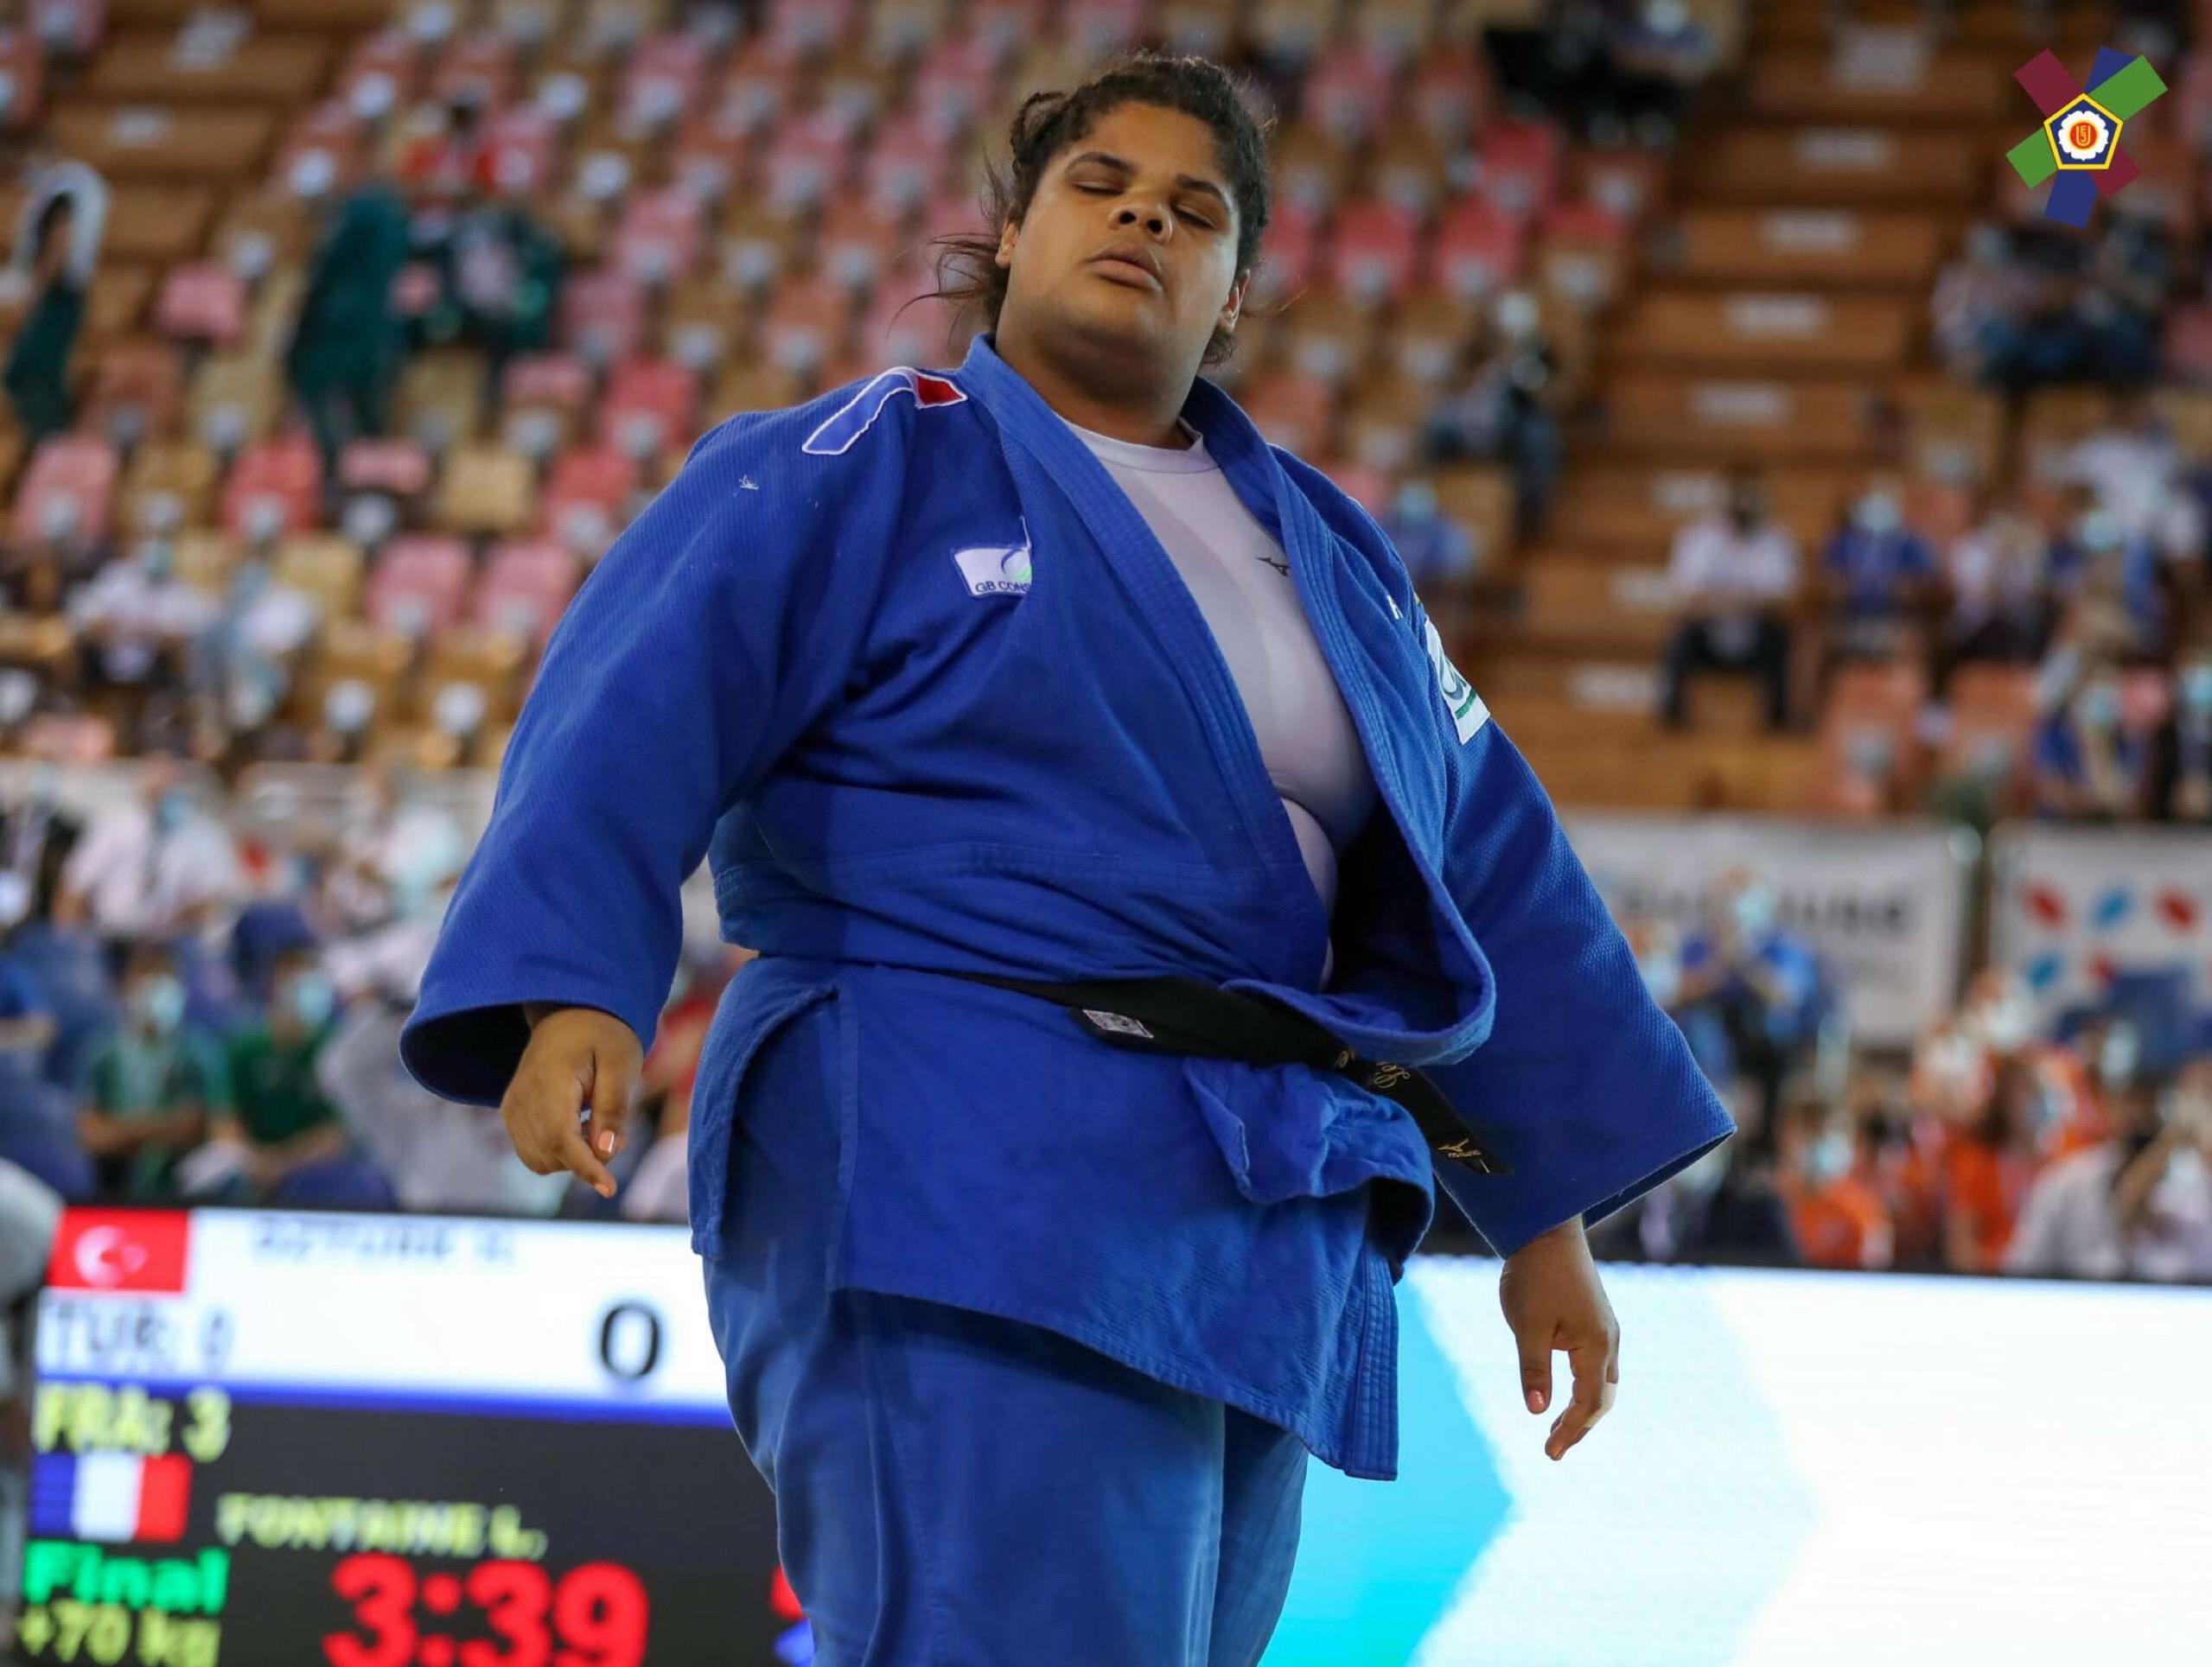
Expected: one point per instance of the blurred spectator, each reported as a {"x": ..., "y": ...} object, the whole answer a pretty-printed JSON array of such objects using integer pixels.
[
  {"x": 279, "y": 1123},
  {"x": 26, "y": 1016},
  {"x": 2182, "y": 766},
  {"x": 37, "y": 833},
  {"x": 2165, "y": 1196},
  {"x": 58, "y": 232},
  {"x": 499, "y": 274},
  {"x": 1758, "y": 982},
  {"x": 137, "y": 619},
  {"x": 1836, "y": 1210},
  {"x": 345, "y": 349},
  {"x": 1991, "y": 1159},
  {"x": 1616, "y": 70},
  {"x": 1877, "y": 571},
  {"x": 1437, "y": 551},
  {"x": 1724, "y": 1207},
  {"x": 1999, "y": 576},
  {"x": 151, "y": 1088},
  {"x": 244, "y": 656},
  {"x": 1501, "y": 408},
  {"x": 2137, "y": 474},
  {"x": 150, "y": 867},
  {"x": 2089, "y": 765},
  {"x": 1981, "y": 303},
  {"x": 2072, "y": 1223},
  {"x": 1732, "y": 576}
]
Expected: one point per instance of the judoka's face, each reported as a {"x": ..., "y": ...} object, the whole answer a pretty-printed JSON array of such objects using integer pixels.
[{"x": 1129, "y": 243}]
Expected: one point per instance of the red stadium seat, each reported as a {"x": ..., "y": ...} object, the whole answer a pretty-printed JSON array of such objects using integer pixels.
[
  {"x": 1477, "y": 248},
  {"x": 275, "y": 490},
  {"x": 756, "y": 90},
  {"x": 203, "y": 302},
  {"x": 480, "y": 66},
  {"x": 543, "y": 395},
  {"x": 1376, "y": 247},
  {"x": 649, "y": 408},
  {"x": 1291, "y": 409},
  {"x": 522, "y": 147},
  {"x": 905, "y": 325},
  {"x": 659, "y": 237},
  {"x": 69, "y": 28},
  {"x": 136, "y": 392},
  {"x": 586, "y": 498},
  {"x": 22, "y": 81},
  {"x": 526, "y": 585},
  {"x": 1449, "y": 91},
  {"x": 804, "y": 326},
  {"x": 1290, "y": 256},
  {"x": 807, "y": 160},
  {"x": 905, "y": 163},
  {"x": 603, "y": 315},
  {"x": 1519, "y": 166},
  {"x": 1348, "y": 93},
  {"x": 418, "y": 586},
  {"x": 1104, "y": 27},
  {"x": 68, "y": 491},
  {"x": 381, "y": 72},
  {"x": 399, "y": 467},
  {"x": 953, "y": 84},
  {"x": 666, "y": 79},
  {"x": 856, "y": 243}
]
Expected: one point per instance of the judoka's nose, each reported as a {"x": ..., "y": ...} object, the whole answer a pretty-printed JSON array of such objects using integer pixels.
[{"x": 1155, "y": 220}]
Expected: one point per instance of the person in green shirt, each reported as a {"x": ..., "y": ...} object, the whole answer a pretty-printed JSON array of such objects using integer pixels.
[
  {"x": 279, "y": 1118},
  {"x": 150, "y": 1088}
]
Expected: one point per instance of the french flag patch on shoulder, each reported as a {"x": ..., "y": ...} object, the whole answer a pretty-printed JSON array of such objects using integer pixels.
[{"x": 858, "y": 414}]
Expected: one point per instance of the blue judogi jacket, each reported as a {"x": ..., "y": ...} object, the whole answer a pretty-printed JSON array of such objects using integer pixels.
[{"x": 912, "y": 672}]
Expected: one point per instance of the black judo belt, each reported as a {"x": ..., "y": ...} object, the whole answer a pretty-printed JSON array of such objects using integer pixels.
[{"x": 1190, "y": 1016}]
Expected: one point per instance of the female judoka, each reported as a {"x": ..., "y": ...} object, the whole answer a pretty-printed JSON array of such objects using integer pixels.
[{"x": 1150, "y": 920}]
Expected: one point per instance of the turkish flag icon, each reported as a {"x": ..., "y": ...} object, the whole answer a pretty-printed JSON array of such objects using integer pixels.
[{"x": 121, "y": 1250}]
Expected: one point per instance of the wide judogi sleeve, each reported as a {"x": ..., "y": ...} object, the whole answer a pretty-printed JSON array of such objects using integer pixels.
[
  {"x": 721, "y": 625},
  {"x": 1585, "y": 1085}
]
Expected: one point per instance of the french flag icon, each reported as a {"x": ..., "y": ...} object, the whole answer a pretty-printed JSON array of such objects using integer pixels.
[{"x": 115, "y": 1497}]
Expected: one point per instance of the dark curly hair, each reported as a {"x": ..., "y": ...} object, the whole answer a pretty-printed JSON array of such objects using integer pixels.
[{"x": 968, "y": 273}]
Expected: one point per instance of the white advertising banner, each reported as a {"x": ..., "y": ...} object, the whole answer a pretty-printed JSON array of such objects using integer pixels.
[
  {"x": 1885, "y": 906},
  {"x": 2071, "y": 907}
]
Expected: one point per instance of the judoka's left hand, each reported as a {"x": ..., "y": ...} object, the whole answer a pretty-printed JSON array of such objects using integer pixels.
[{"x": 1553, "y": 1300}]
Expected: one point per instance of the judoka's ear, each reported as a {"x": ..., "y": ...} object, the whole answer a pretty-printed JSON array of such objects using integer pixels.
[
  {"x": 1006, "y": 239},
  {"x": 1234, "y": 305}
]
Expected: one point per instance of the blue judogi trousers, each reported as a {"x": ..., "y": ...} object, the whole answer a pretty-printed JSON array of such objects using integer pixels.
[{"x": 957, "y": 1490}]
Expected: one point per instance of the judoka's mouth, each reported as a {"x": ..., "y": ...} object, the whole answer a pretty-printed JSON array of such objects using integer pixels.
[{"x": 1129, "y": 264}]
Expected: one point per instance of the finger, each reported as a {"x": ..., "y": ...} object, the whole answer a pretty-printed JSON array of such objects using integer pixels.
[
  {"x": 610, "y": 1104},
  {"x": 1535, "y": 1367},
  {"x": 1593, "y": 1394},
  {"x": 577, "y": 1158}
]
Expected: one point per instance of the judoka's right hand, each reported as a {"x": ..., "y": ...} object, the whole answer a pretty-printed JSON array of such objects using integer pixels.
[{"x": 579, "y": 1058}]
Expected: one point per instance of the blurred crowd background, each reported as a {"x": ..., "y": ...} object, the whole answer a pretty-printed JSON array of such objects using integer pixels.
[{"x": 1764, "y": 453}]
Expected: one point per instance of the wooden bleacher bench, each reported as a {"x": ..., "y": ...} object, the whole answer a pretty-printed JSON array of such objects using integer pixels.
[
  {"x": 163, "y": 68},
  {"x": 1713, "y": 419},
  {"x": 160, "y": 224},
  {"x": 1827, "y": 247},
  {"x": 1633, "y": 512},
  {"x": 1877, "y": 84},
  {"x": 1802, "y": 166},
  {"x": 1812, "y": 23},
  {"x": 1597, "y": 606},
  {"x": 165, "y": 142},
  {"x": 1766, "y": 330}
]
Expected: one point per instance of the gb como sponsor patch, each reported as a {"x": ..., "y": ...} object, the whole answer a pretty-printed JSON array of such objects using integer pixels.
[
  {"x": 1467, "y": 712},
  {"x": 995, "y": 569}
]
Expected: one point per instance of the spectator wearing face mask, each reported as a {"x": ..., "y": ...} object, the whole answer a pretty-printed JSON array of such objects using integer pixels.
[
  {"x": 1732, "y": 577},
  {"x": 1438, "y": 551},
  {"x": 280, "y": 1124},
  {"x": 1980, "y": 303},
  {"x": 151, "y": 1088},
  {"x": 1761, "y": 984},
  {"x": 151, "y": 867},
  {"x": 137, "y": 620},
  {"x": 1503, "y": 408},
  {"x": 1878, "y": 572},
  {"x": 1998, "y": 577},
  {"x": 1836, "y": 1213},
  {"x": 2181, "y": 767},
  {"x": 2089, "y": 766}
]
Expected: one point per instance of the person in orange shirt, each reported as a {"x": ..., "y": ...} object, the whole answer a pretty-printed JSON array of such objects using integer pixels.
[
  {"x": 1988, "y": 1165},
  {"x": 1835, "y": 1209}
]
